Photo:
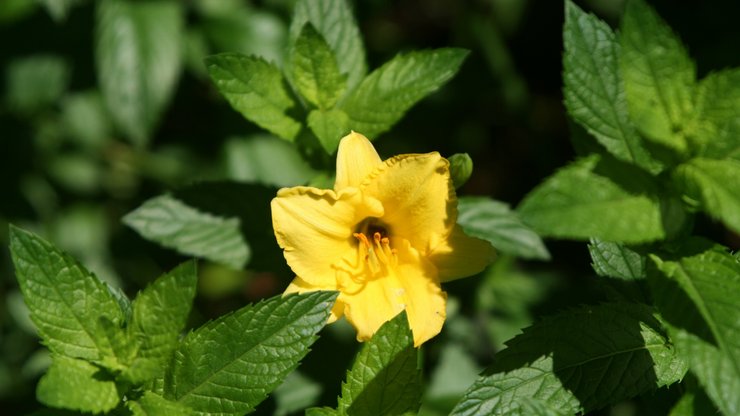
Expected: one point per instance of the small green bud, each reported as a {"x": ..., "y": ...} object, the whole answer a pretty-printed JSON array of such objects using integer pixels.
[{"x": 461, "y": 167}]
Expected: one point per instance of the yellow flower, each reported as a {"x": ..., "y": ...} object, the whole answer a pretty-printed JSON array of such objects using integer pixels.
[{"x": 384, "y": 237}]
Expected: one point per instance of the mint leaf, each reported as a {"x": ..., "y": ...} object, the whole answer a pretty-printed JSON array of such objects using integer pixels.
[
  {"x": 138, "y": 58},
  {"x": 150, "y": 404},
  {"x": 254, "y": 88},
  {"x": 65, "y": 300},
  {"x": 329, "y": 127},
  {"x": 616, "y": 260},
  {"x": 715, "y": 185},
  {"x": 35, "y": 82},
  {"x": 77, "y": 385},
  {"x": 584, "y": 200},
  {"x": 174, "y": 224},
  {"x": 384, "y": 379},
  {"x": 658, "y": 77},
  {"x": 694, "y": 291},
  {"x": 715, "y": 129},
  {"x": 577, "y": 361},
  {"x": 387, "y": 93},
  {"x": 593, "y": 87},
  {"x": 333, "y": 19},
  {"x": 160, "y": 312},
  {"x": 296, "y": 393},
  {"x": 229, "y": 365},
  {"x": 315, "y": 71},
  {"x": 496, "y": 223},
  {"x": 266, "y": 159}
]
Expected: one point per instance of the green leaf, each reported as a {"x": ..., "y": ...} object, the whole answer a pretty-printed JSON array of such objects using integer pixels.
[
  {"x": 77, "y": 385},
  {"x": 455, "y": 371},
  {"x": 65, "y": 300},
  {"x": 266, "y": 159},
  {"x": 321, "y": 411},
  {"x": 159, "y": 315},
  {"x": 387, "y": 93},
  {"x": 384, "y": 379},
  {"x": 693, "y": 403},
  {"x": 496, "y": 223},
  {"x": 150, "y": 404},
  {"x": 715, "y": 129},
  {"x": 174, "y": 224},
  {"x": 255, "y": 88},
  {"x": 59, "y": 9},
  {"x": 296, "y": 393},
  {"x": 695, "y": 292},
  {"x": 247, "y": 30},
  {"x": 314, "y": 69},
  {"x": 659, "y": 77},
  {"x": 85, "y": 119},
  {"x": 333, "y": 19},
  {"x": 577, "y": 361},
  {"x": 593, "y": 87},
  {"x": 715, "y": 185},
  {"x": 329, "y": 127},
  {"x": 138, "y": 59},
  {"x": 35, "y": 82},
  {"x": 584, "y": 200},
  {"x": 229, "y": 365},
  {"x": 616, "y": 260}
]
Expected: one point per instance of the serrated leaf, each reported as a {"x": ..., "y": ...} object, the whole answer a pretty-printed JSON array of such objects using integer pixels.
[
  {"x": 387, "y": 93},
  {"x": 496, "y": 223},
  {"x": 314, "y": 69},
  {"x": 577, "y": 361},
  {"x": 659, "y": 76},
  {"x": 584, "y": 200},
  {"x": 150, "y": 404},
  {"x": 254, "y": 88},
  {"x": 138, "y": 59},
  {"x": 65, "y": 300},
  {"x": 593, "y": 87},
  {"x": 333, "y": 19},
  {"x": 174, "y": 224},
  {"x": 616, "y": 260},
  {"x": 715, "y": 184},
  {"x": 35, "y": 81},
  {"x": 329, "y": 127},
  {"x": 229, "y": 365},
  {"x": 715, "y": 129},
  {"x": 695, "y": 292},
  {"x": 77, "y": 385},
  {"x": 384, "y": 379},
  {"x": 160, "y": 312},
  {"x": 321, "y": 411}
]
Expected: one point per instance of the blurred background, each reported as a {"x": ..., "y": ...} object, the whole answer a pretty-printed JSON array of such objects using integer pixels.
[{"x": 67, "y": 173}]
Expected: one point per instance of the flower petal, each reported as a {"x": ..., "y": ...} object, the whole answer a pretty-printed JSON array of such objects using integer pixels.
[
  {"x": 299, "y": 285},
  {"x": 460, "y": 255},
  {"x": 412, "y": 286},
  {"x": 314, "y": 228},
  {"x": 356, "y": 158},
  {"x": 417, "y": 195}
]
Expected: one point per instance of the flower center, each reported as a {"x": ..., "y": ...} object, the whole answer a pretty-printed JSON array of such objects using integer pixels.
[
  {"x": 376, "y": 254},
  {"x": 374, "y": 258}
]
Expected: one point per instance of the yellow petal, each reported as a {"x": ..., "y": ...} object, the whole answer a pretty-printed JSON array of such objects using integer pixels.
[
  {"x": 412, "y": 286},
  {"x": 356, "y": 158},
  {"x": 299, "y": 285},
  {"x": 314, "y": 228},
  {"x": 417, "y": 195},
  {"x": 460, "y": 255}
]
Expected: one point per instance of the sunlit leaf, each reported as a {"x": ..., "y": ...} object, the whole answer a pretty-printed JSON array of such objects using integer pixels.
[
  {"x": 229, "y": 365},
  {"x": 138, "y": 58}
]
